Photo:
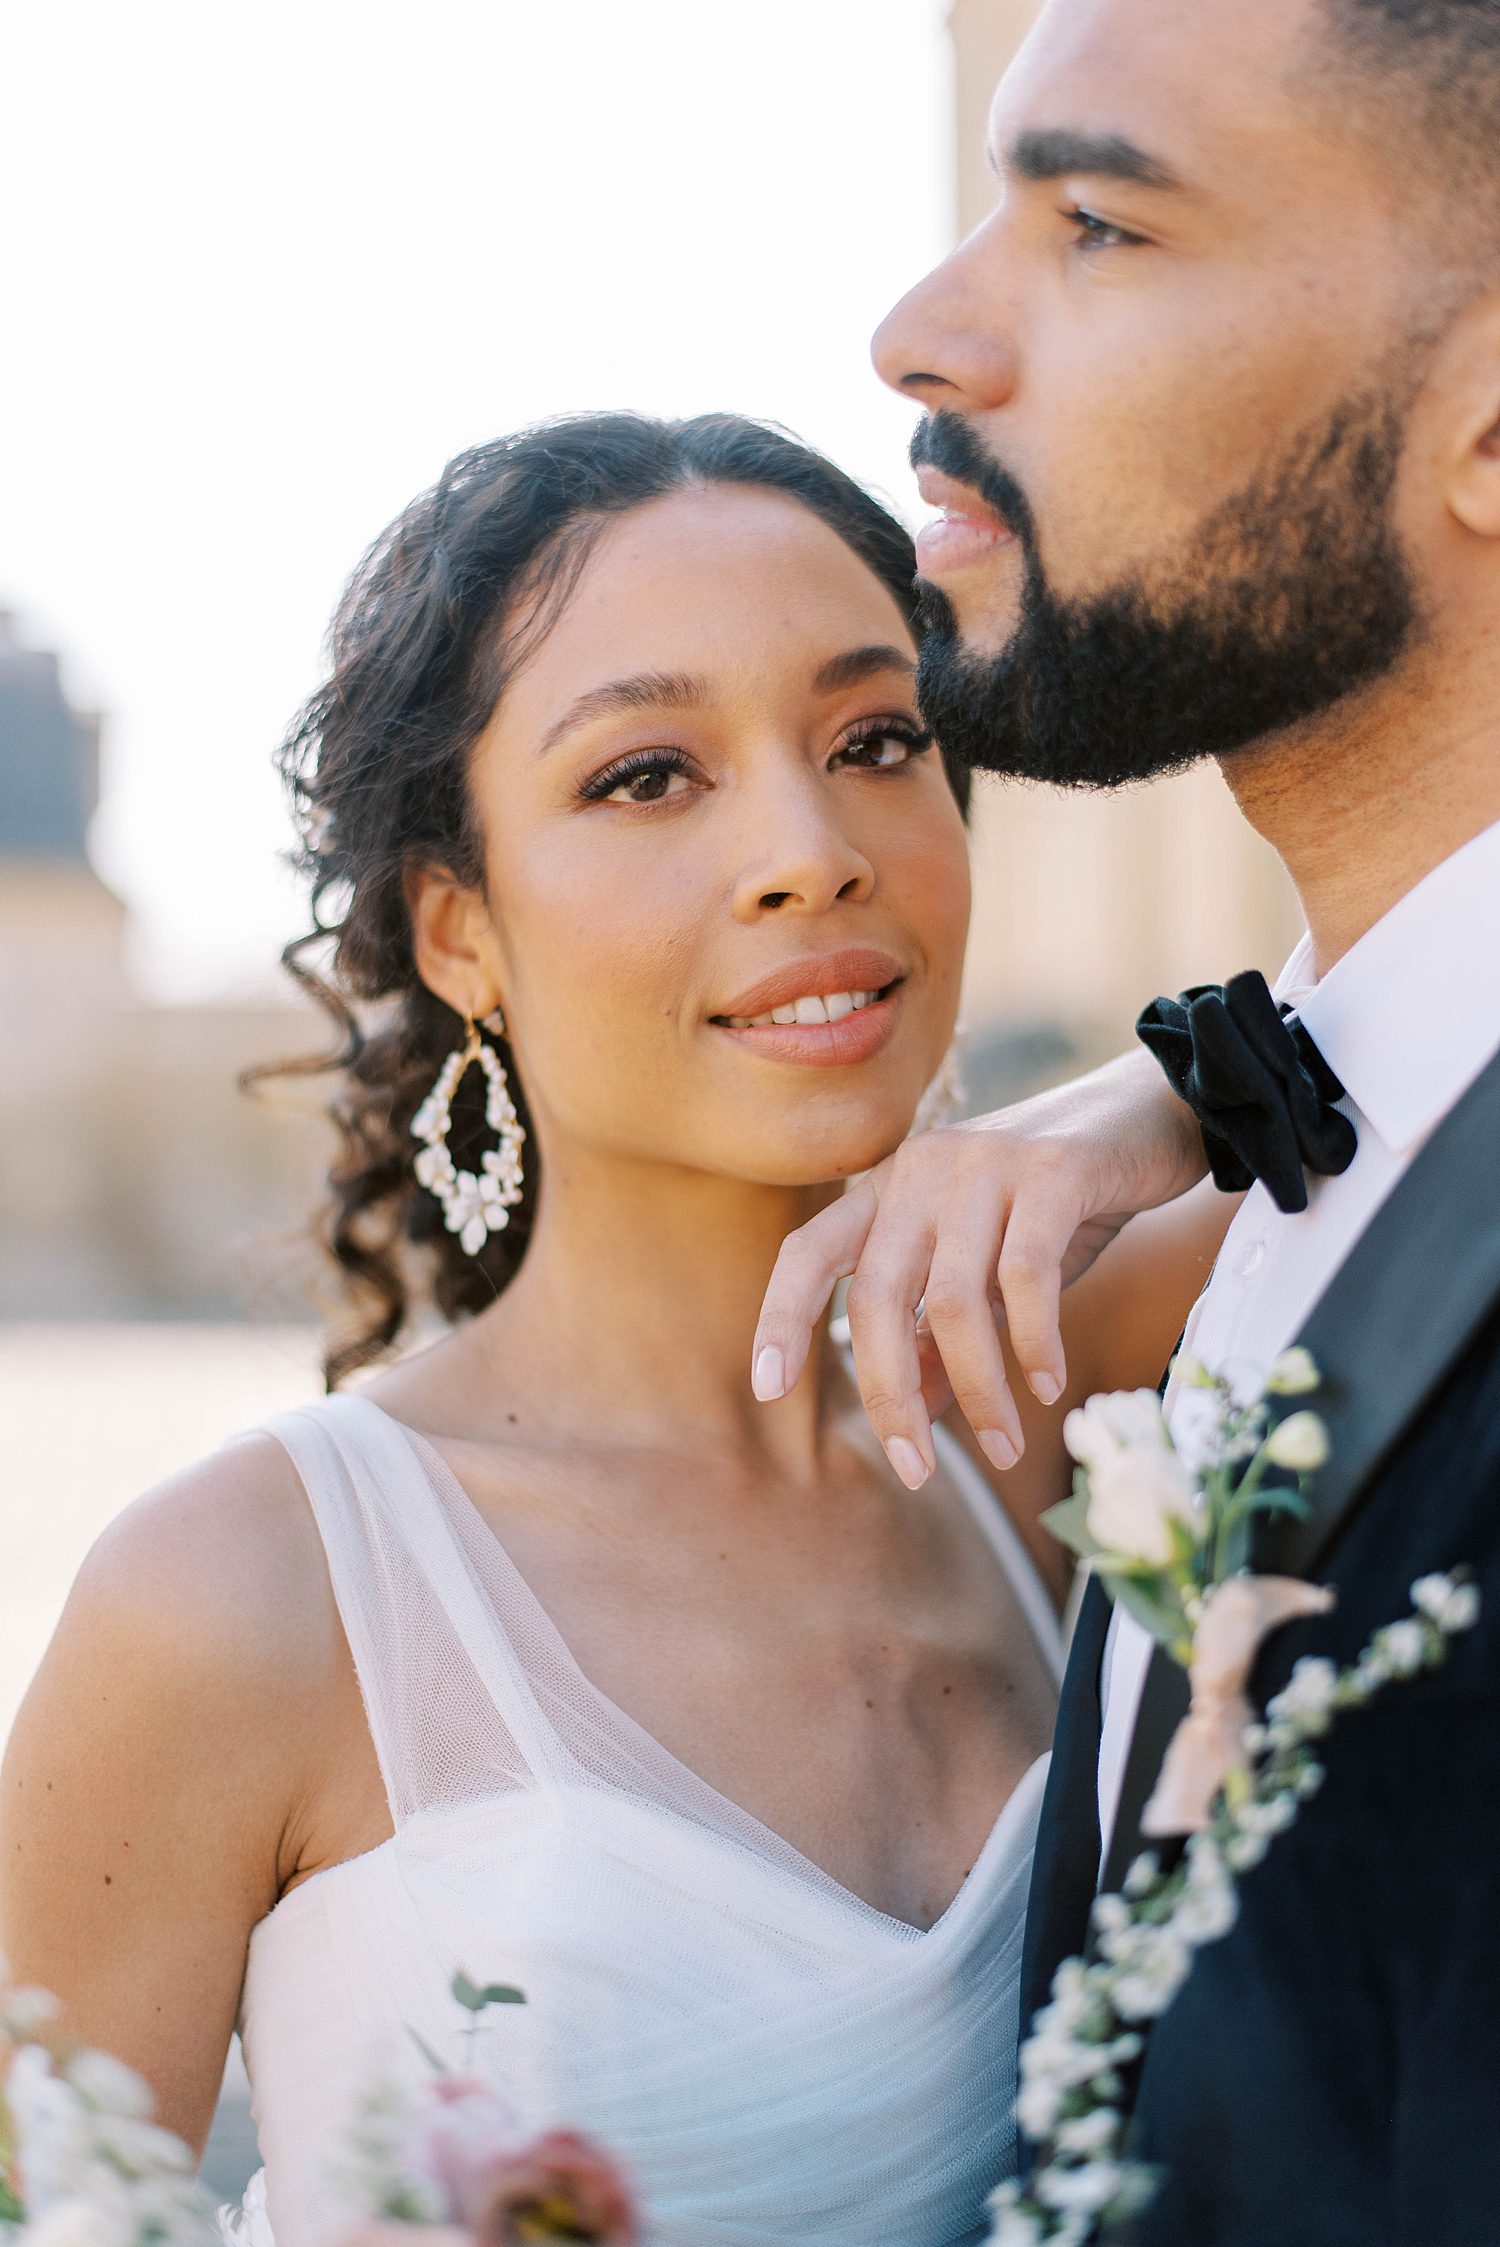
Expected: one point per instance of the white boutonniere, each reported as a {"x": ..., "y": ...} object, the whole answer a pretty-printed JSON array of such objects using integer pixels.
[{"x": 1172, "y": 1543}]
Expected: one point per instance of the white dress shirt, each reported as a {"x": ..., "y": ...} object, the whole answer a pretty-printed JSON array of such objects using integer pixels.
[{"x": 1407, "y": 1019}]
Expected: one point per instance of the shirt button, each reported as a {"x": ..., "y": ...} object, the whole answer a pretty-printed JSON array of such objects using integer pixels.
[{"x": 1250, "y": 1259}]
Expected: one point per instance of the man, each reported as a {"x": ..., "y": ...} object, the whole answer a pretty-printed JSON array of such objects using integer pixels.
[{"x": 1213, "y": 421}]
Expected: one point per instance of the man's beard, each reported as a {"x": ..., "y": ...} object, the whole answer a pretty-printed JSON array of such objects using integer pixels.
[{"x": 1288, "y": 598}]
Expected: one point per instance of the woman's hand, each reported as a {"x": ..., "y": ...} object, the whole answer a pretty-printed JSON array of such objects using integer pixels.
[{"x": 981, "y": 1225}]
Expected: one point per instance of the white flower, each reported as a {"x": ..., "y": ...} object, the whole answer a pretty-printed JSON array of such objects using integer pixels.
[
  {"x": 1453, "y": 1607},
  {"x": 80, "y": 2222},
  {"x": 1293, "y": 1374},
  {"x": 1403, "y": 1646},
  {"x": 1038, "y": 2104},
  {"x": 1091, "y": 2133},
  {"x": 1299, "y": 1443},
  {"x": 1245, "y": 1851},
  {"x": 141, "y": 2149},
  {"x": 1209, "y": 1906},
  {"x": 1306, "y": 1699},
  {"x": 107, "y": 2085},
  {"x": 25, "y": 2011},
  {"x": 1118, "y": 1420},
  {"x": 1152, "y": 1975},
  {"x": 1011, "y": 2226},
  {"x": 1110, "y": 1915},
  {"x": 1083, "y": 2191},
  {"x": 1134, "y": 1497},
  {"x": 51, "y": 2128}
]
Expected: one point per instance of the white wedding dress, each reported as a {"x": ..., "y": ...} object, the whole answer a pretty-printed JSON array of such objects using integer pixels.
[{"x": 771, "y": 2058}]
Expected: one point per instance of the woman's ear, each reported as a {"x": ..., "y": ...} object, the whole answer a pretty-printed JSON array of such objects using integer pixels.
[
  {"x": 1474, "y": 469},
  {"x": 453, "y": 940}
]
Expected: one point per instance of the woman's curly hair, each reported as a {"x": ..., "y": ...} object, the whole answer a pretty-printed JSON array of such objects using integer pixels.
[{"x": 376, "y": 763}]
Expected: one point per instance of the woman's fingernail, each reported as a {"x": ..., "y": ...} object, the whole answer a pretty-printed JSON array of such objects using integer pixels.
[
  {"x": 907, "y": 1461},
  {"x": 998, "y": 1448},
  {"x": 769, "y": 1378},
  {"x": 1046, "y": 1387}
]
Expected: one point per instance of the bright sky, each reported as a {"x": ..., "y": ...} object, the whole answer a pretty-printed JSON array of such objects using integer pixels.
[{"x": 267, "y": 267}]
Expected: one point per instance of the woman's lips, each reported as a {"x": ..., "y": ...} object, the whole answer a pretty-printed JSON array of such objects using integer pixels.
[{"x": 828, "y": 1045}]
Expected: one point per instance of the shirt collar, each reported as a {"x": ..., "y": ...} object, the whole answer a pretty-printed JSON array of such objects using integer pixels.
[{"x": 1411, "y": 1013}]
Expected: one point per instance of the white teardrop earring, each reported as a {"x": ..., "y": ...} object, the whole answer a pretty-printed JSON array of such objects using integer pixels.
[{"x": 474, "y": 1204}]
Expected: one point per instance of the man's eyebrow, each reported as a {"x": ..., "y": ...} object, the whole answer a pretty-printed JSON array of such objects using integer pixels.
[
  {"x": 646, "y": 690},
  {"x": 859, "y": 664},
  {"x": 1051, "y": 152}
]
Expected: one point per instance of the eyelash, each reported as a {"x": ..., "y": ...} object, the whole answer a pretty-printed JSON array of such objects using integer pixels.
[
  {"x": 643, "y": 761},
  {"x": 1092, "y": 228}
]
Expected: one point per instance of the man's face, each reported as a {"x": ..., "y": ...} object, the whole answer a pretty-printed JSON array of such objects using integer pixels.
[{"x": 1174, "y": 362}]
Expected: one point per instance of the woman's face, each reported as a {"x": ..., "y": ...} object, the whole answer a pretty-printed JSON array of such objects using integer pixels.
[{"x": 707, "y": 800}]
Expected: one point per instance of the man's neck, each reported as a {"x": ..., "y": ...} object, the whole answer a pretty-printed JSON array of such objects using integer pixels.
[{"x": 1363, "y": 804}]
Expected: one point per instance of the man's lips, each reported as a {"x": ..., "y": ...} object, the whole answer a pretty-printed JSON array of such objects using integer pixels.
[{"x": 965, "y": 531}]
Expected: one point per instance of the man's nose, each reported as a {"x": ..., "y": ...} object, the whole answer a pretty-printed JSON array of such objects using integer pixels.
[{"x": 951, "y": 340}]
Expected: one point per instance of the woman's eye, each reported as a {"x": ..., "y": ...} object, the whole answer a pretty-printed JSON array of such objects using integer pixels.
[
  {"x": 1096, "y": 233},
  {"x": 647, "y": 779},
  {"x": 884, "y": 749}
]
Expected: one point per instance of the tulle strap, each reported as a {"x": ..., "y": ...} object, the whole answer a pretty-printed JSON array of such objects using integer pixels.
[{"x": 451, "y": 1711}]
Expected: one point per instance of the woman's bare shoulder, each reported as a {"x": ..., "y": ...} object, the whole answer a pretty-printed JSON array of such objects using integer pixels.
[
  {"x": 223, "y": 1555},
  {"x": 205, "y": 1602}
]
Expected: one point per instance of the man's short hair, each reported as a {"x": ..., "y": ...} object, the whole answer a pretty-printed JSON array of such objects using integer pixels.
[{"x": 1425, "y": 75}]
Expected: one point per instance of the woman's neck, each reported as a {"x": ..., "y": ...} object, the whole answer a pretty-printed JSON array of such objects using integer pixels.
[{"x": 635, "y": 1310}]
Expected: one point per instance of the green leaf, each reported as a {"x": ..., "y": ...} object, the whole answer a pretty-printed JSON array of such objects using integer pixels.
[
  {"x": 1068, "y": 1522},
  {"x": 1279, "y": 1501},
  {"x": 474, "y": 1999}
]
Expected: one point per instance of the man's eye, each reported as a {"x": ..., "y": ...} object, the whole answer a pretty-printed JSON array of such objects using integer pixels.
[{"x": 1096, "y": 233}]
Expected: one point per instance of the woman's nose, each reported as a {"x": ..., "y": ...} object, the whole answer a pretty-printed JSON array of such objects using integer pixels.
[
  {"x": 951, "y": 340},
  {"x": 800, "y": 861}
]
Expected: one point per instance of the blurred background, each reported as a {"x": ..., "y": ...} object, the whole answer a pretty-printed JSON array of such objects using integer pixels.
[{"x": 265, "y": 271}]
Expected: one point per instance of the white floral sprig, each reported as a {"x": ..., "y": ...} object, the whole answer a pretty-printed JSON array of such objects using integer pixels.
[
  {"x": 82, "y": 2163},
  {"x": 1072, "y": 2102},
  {"x": 1161, "y": 1534}
]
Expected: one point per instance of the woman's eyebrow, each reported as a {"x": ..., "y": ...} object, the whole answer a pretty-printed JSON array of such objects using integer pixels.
[
  {"x": 646, "y": 690},
  {"x": 850, "y": 669}
]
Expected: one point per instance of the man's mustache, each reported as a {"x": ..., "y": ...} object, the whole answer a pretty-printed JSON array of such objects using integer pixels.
[{"x": 945, "y": 441}]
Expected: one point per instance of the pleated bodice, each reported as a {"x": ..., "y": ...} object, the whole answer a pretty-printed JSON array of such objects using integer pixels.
[{"x": 773, "y": 2058}]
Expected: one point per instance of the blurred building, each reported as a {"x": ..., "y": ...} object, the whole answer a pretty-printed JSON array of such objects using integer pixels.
[
  {"x": 1087, "y": 906},
  {"x": 135, "y": 1178}
]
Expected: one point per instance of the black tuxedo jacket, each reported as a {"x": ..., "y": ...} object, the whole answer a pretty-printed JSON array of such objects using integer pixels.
[{"x": 1330, "y": 2074}]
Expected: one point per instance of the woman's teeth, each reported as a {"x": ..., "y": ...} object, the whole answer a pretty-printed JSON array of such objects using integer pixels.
[{"x": 832, "y": 1009}]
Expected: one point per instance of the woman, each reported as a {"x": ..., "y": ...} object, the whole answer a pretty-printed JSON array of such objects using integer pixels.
[{"x": 549, "y": 1654}]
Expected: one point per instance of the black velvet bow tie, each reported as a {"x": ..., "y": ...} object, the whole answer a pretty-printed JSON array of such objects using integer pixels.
[{"x": 1258, "y": 1085}]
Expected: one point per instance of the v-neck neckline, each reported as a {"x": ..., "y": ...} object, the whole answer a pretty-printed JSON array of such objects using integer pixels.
[{"x": 445, "y": 1481}]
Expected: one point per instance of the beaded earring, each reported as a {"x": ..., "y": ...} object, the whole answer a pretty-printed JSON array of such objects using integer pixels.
[{"x": 473, "y": 1205}]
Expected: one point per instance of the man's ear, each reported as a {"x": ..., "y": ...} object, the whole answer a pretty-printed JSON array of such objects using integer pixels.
[
  {"x": 453, "y": 940},
  {"x": 1473, "y": 479}
]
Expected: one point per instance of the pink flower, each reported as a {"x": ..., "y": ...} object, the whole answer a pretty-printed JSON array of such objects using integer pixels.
[
  {"x": 559, "y": 2187},
  {"x": 510, "y": 2191}
]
